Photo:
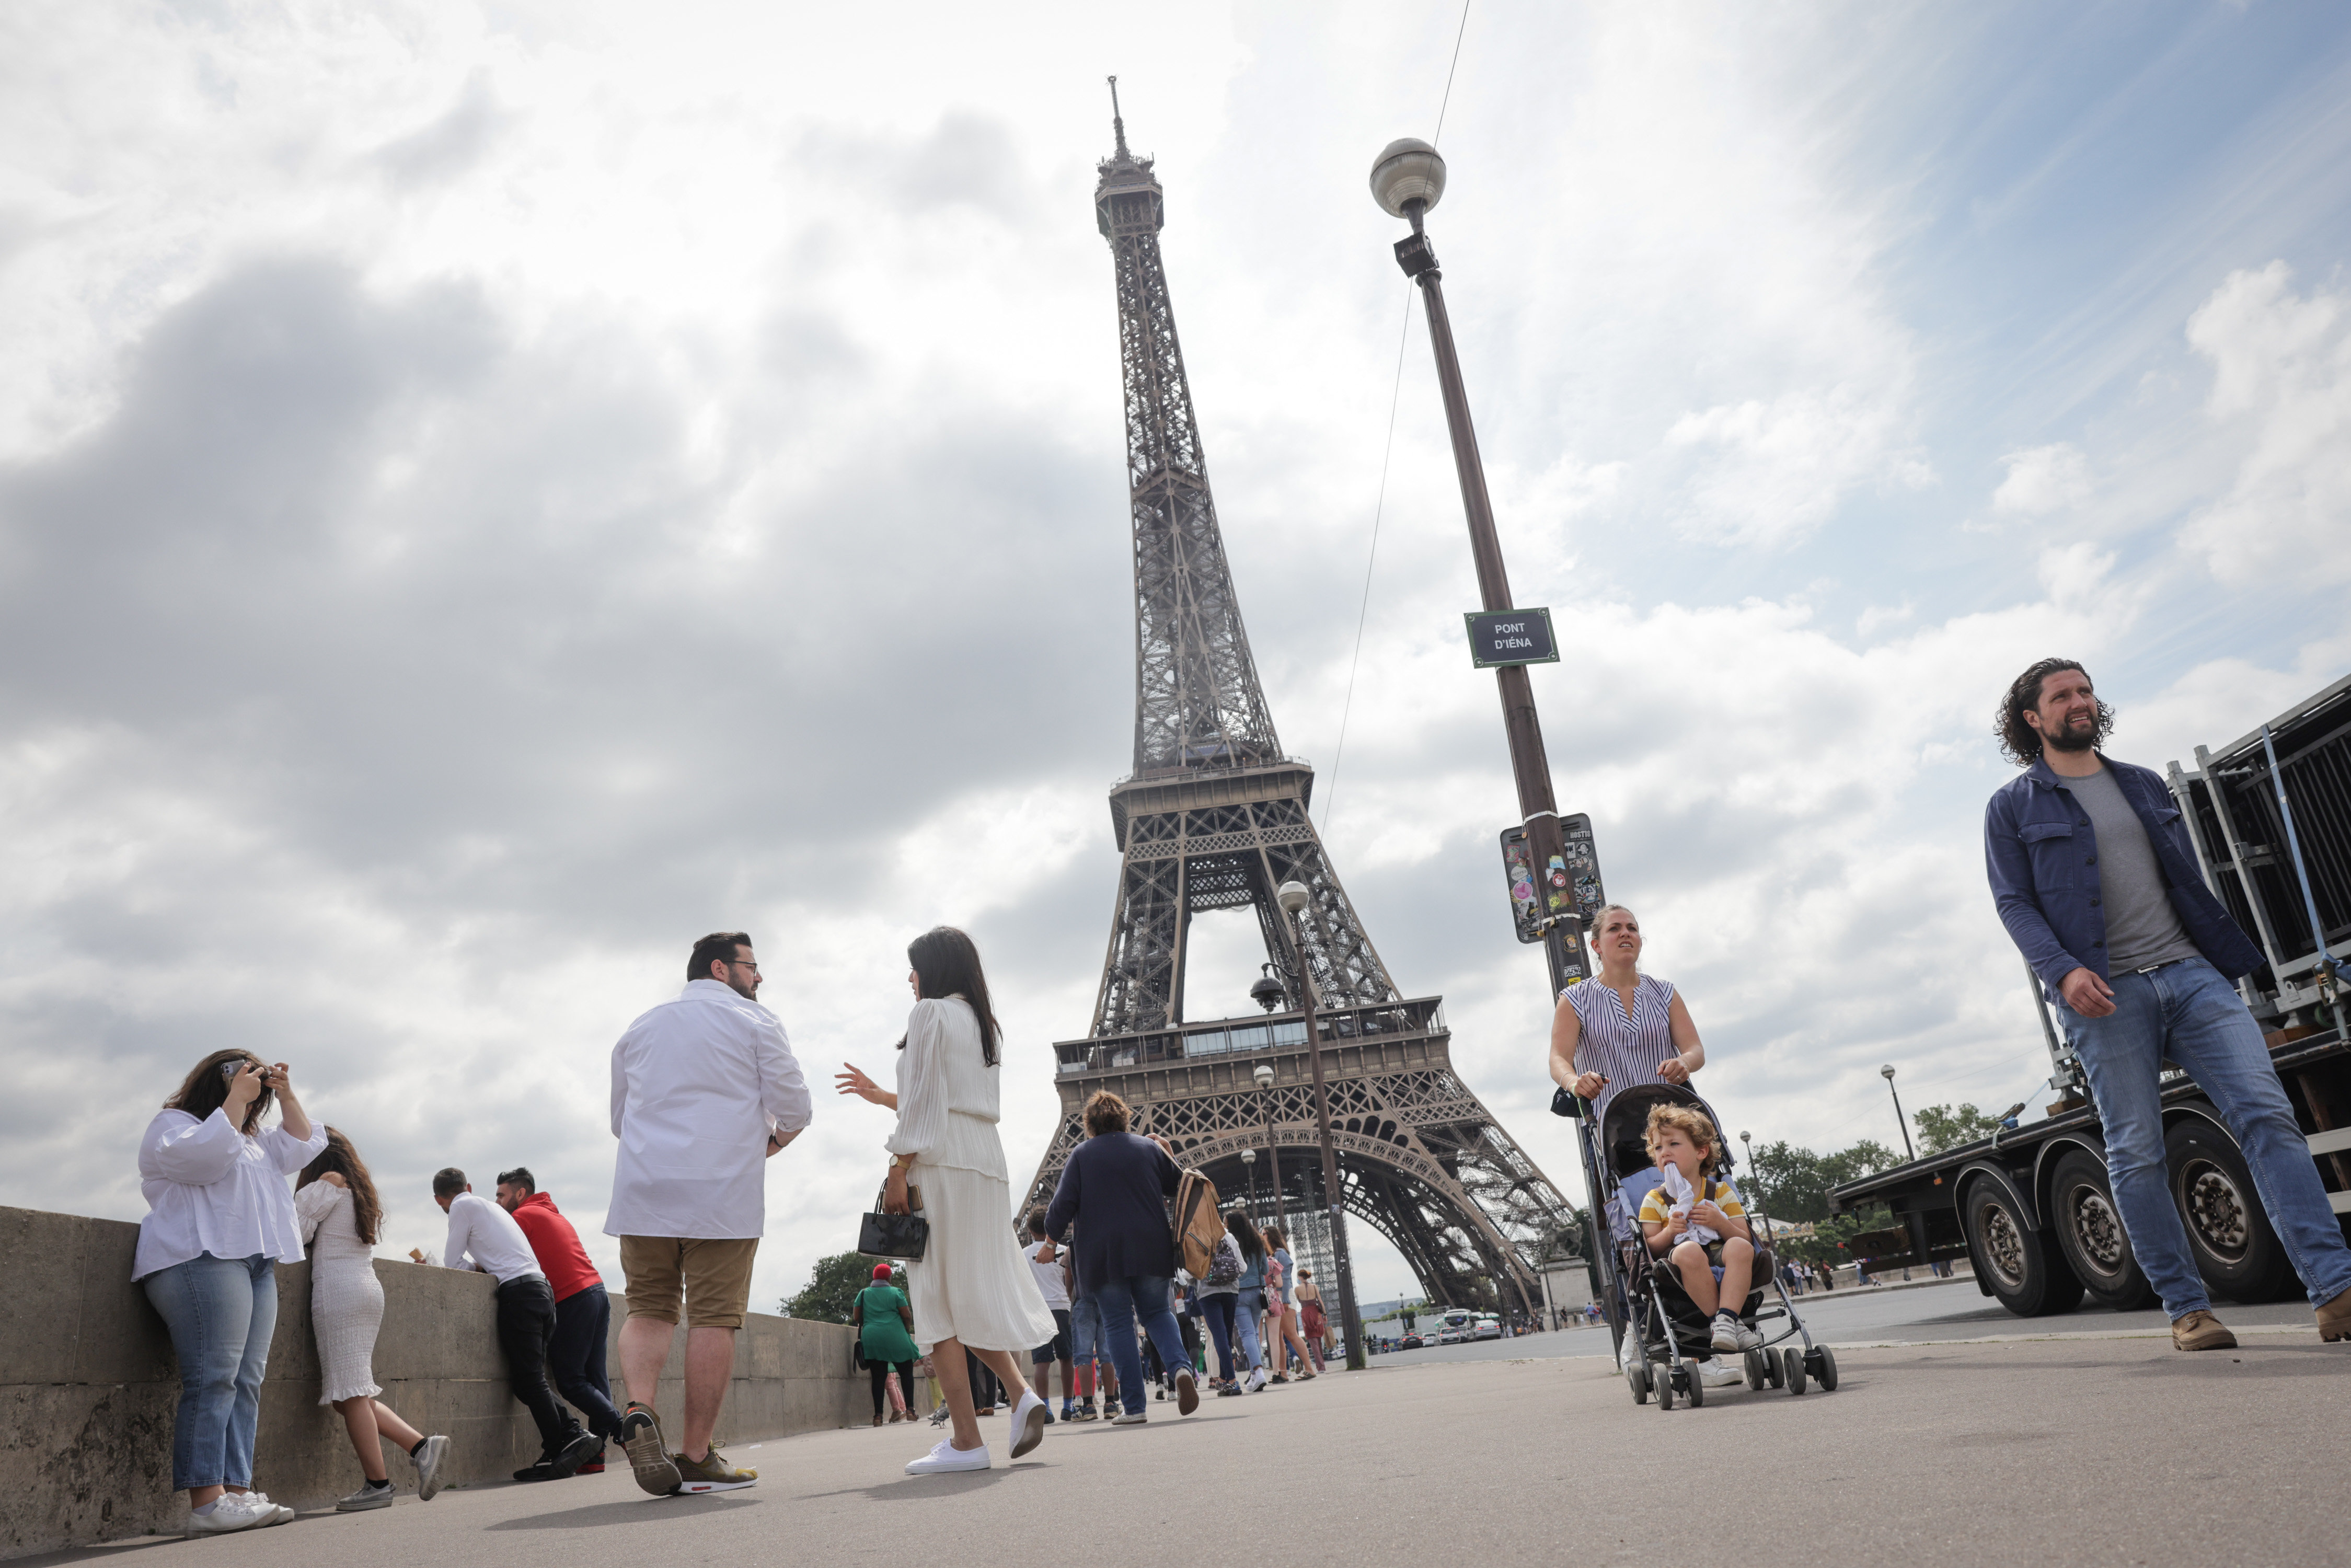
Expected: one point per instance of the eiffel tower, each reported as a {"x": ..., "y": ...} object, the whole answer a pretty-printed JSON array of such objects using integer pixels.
[{"x": 1215, "y": 817}]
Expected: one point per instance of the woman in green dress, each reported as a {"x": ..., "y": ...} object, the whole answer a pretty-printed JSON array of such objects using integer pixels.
[{"x": 884, "y": 1324}]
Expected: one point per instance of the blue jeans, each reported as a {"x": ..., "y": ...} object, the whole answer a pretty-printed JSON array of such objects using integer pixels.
[
  {"x": 1248, "y": 1311},
  {"x": 1123, "y": 1301},
  {"x": 2187, "y": 1012},
  {"x": 1085, "y": 1330},
  {"x": 220, "y": 1312}
]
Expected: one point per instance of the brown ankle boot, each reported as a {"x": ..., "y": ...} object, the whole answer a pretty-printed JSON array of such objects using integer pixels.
[
  {"x": 2335, "y": 1318},
  {"x": 2202, "y": 1331}
]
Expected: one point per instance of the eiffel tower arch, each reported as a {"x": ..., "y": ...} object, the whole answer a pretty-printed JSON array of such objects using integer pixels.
[{"x": 1215, "y": 817}]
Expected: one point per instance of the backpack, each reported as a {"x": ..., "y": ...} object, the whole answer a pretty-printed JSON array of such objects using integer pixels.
[
  {"x": 1224, "y": 1266},
  {"x": 1198, "y": 1224}
]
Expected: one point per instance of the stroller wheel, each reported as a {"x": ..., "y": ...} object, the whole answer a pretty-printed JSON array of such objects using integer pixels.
[
  {"x": 1638, "y": 1374},
  {"x": 1697, "y": 1387},
  {"x": 1756, "y": 1375},
  {"x": 1791, "y": 1362},
  {"x": 1774, "y": 1373},
  {"x": 1664, "y": 1383},
  {"x": 1825, "y": 1370}
]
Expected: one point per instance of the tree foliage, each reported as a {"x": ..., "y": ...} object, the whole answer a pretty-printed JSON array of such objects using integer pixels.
[
  {"x": 1941, "y": 1127},
  {"x": 1789, "y": 1183},
  {"x": 833, "y": 1290}
]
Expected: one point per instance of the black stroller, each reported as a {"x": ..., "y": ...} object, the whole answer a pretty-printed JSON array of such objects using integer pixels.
[{"x": 1668, "y": 1331}]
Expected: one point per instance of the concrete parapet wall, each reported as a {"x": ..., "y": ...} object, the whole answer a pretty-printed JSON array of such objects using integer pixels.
[{"x": 88, "y": 1386}]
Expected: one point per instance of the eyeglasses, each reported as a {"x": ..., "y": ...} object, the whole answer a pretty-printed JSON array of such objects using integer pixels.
[{"x": 741, "y": 964}]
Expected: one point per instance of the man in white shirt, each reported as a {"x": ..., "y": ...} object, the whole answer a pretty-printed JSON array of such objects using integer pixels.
[
  {"x": 483, "y": 1237},
  {"x": 1047, "y": 1263},
  {"x": 704, "y": 1089}
]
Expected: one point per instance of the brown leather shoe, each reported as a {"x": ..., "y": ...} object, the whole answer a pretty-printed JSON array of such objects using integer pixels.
[
  {"x": 2202, "y": 1331},
  {"x": 2335, "y": 1318}
]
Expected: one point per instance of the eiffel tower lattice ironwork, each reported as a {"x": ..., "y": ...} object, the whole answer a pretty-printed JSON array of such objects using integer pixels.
[{"x": 1215, "y": 817}]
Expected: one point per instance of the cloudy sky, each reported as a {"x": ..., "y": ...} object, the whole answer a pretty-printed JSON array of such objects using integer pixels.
[{"x": 490, "y": 492}]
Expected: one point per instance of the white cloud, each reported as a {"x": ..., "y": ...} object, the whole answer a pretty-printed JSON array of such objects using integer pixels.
[
  {"x": 2282, "y": 376},
  {"x": 2042, "y": 480}
]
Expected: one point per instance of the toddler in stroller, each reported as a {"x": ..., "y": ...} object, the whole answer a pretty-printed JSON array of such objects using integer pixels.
[{"x": 1699, "y": 1224}]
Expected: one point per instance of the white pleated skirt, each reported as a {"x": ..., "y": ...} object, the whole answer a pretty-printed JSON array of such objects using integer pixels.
[{"x": 971, "y": 1283}]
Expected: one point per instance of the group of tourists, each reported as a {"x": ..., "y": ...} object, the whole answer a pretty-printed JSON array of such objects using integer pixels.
[
  {"x": 2093, "y": 875},
  {"x": 2091, "y": 870}
]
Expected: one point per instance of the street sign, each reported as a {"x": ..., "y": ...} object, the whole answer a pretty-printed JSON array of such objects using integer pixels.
[{"x": 1498, "y": 637}]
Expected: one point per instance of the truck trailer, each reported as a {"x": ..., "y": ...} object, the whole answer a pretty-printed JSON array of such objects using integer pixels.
[{"x": 2031, "y": 1207}]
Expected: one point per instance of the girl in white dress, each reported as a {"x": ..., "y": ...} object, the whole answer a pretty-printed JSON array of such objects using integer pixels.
[
  {"x": 341, "y": 1217},
  {"x": 972, "y": 1290}
]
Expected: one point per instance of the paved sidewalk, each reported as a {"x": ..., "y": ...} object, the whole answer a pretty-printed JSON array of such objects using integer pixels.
[{"x": 2088, "y": 1451}]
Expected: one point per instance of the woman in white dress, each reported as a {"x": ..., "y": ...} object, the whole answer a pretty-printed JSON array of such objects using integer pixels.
[
  {"x": 341, "y": 1213},
  {"x": 972, "y": 1289}
]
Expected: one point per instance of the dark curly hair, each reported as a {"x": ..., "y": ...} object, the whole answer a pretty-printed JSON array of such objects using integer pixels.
[{"x": 2019, "y": 741}]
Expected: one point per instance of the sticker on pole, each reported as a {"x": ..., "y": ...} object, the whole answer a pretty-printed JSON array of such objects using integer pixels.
[
  {"x": 1502, "y": 637},
  {"x": 1570, "y": 882}
]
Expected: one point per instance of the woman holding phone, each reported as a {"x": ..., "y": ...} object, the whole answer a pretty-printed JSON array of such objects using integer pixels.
[
  {"x": 972, "y": 1289},
  {"x": 220, "y": 1217}
]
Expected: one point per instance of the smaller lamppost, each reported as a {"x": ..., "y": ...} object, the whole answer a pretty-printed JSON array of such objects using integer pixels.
[
  {"x": 1887, "y": 1072},
  {"x": 1263, "y": 1074},
  {"x": 1248, "y": 1163},
  {"x": 1293, "y": 897}
]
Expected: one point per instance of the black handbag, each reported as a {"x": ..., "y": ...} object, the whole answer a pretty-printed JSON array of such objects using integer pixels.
[{"x": 880, "y": 1235}]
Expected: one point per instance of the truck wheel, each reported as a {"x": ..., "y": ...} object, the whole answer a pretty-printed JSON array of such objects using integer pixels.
[
  {"x": 2024, "y": 1267},
  {"x": 2090, "y": 1229},
  {"x": 2236, "y": 1251}
]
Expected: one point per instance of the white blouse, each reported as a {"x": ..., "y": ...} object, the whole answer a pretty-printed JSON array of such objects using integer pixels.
[
  {"x": 948, "y": 1097},
  {"x": 210, "y": 1188},
  {"x": 329, "y": 1219}
]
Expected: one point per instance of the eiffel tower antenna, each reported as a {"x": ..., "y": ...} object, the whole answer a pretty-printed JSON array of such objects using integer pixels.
[
  {"x": 1117, "y": 125},
  {"x": 1213, "y": 817}
]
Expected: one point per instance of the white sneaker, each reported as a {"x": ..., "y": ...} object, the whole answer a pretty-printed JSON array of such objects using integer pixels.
[
  {"x": 1716, "y": 1373},
  {"x": 1749, "y": 1339},
  {"x": 228, "y": 1514},
  {"x": 1628, "y": 1350},
  {"x": 947, "y": 1458},
  {"x": 1726, "y": 1332},
  {"x": 1123, "y": 1419},
  {"x": 427, "y": 1461},
  {"x": 1029, "y": 1418},
  {"x": 1257, "y": 1380},
  {"x": 269, "y": 1512}
]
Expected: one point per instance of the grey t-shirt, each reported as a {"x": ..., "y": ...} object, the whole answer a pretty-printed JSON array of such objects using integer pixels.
[{"x": 2142, "y": 928}]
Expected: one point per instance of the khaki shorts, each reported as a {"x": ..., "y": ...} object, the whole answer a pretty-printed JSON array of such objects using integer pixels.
[{"x": 713, "y": 1276}]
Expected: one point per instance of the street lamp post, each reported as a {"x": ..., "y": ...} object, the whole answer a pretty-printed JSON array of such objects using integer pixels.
[
  {"x": 1263, "y": 1074},
  {"x": 1292, "y": 896},
  {"x": 1887, "y": 1072},
  {"x": 1406, "y": 181},
  {"x": 1248, "y": 1163}
]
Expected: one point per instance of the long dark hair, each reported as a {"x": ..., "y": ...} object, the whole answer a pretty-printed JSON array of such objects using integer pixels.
[
  {"x": 1274, "y": 1239},
  {"x": 205, "y": 1091},
  {"x": 340, "y": 1157},
  {"x": 1238, "y": 1225},
  {"x": 2019, "y": 741},
  {"x": 947, "y": 964}
]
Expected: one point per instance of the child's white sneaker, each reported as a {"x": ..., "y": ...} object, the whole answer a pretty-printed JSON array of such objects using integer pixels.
[{"x": 1726, "y": 1332}]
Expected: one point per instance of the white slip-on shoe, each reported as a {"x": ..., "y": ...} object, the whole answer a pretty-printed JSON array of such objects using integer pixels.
[
  {"x": 946, "y": 1459},
  {"x": 223, "y": 1517},
  {"x": 1135, "y": 1420},
  {"x": 427, "y": 1460},
  {"x": 1029, "y": 1418},
  {"x": 1716, "y": 1373}
]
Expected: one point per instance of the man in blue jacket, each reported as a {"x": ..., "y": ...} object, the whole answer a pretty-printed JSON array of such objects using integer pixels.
[{"x": 2094, "y": 876}]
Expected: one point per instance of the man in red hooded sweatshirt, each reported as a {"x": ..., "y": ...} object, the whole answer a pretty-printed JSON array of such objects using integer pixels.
[{"x": 583, "y": 1312}]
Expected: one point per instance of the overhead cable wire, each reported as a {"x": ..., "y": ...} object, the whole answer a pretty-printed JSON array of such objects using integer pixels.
[{"x": 1387, "y": 453}]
